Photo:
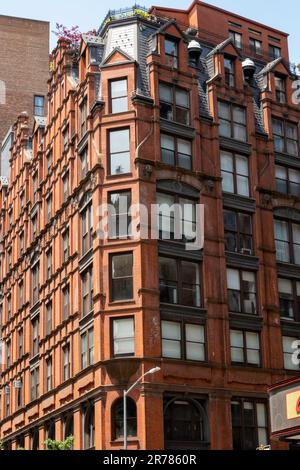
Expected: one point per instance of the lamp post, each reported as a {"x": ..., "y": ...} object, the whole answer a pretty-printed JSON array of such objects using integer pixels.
[{"x": 125, "y": 393}]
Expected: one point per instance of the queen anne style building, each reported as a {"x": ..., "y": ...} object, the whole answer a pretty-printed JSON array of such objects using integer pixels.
[{"x": 188, "y": 106}]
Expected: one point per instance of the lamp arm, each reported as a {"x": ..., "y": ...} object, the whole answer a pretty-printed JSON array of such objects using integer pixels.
[{"x": 136, "y": 383}]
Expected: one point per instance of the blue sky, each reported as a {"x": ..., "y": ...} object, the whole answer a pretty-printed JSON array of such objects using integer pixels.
[{"x": 88, "y": 14}]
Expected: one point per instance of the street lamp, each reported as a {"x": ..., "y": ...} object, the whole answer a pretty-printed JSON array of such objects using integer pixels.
[{"x": 125, "y": 393}]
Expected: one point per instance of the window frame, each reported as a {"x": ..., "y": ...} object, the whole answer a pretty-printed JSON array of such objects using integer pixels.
[
  {"x": 234, "y": 173},
  {"x": 111, "y": 289},
  {"x": 231, "y": 120},
  {"x": 172, "y": 60},
  {"x": 176, "y": 152},
  {"x": 290, "y": 242},
  {"x": 183, "y": 340},
  {"x": 111, "y": 98},
  {"x": 174, "y": 105},
  {"x": 242, "y": 292},
  {"x": 255, "y": 426},
  {"x": 110, "y": 154},
  {"x": 245, "y": 349},
  {"x": 238, "y": 234}
]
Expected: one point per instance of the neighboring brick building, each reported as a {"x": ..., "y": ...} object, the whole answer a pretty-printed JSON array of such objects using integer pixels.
[
  {"x": 24, "y": 58},
  {"x": 161, "y": 106}
]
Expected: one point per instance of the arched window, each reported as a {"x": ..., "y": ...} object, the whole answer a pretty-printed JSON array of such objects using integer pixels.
[
  {"x": 117, "y": 416},
  {"x": 89, "y": 426},
  {"x": 68, "y": 425},
  {"x": 185, "y": 424}
]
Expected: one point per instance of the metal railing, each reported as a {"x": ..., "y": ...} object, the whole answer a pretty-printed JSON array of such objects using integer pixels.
[{"x": 123, "y": 13}]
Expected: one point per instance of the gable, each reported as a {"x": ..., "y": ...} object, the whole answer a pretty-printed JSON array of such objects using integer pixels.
[{"x": 117, "y": 56}]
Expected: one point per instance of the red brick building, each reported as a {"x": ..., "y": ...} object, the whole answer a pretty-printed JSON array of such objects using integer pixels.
[
  {"x": 24, "y": 57},
  {"x": 187, "y": 106}
]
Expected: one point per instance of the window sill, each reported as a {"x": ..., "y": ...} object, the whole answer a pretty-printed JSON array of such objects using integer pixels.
[
  {"x": 114, "y": 303},
  {"x": 120, "y": 175}
]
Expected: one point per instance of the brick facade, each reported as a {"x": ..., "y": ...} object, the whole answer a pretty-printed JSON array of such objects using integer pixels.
[{"x": 208, "y": 384}]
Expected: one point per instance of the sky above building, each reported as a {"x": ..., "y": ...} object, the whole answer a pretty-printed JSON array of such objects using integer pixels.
[{"x": 89, "y": 14}]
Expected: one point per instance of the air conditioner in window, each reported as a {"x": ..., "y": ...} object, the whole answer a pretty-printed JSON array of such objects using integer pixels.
[{"x": 246, "y": 251}]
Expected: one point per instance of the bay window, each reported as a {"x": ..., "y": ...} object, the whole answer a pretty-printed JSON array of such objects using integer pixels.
[
  {"x": 232, "y": 119},
  {"x": 118, "y": 96},
  {"x": 176, "y": 151},
  {"x": 238, "y": 232}
]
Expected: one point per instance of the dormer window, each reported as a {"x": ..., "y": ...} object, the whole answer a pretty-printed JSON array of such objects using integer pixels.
[
  {"x": 118, "y": 96},
  {"x": 280, "y": 89},
  {"x": 229, "y": 66},
  {"x": 274, "y": 52},
  {"x": 171, "y": 51},
  {"x": 237, "y": 39}
]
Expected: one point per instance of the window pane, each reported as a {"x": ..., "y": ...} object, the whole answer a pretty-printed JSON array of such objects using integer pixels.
[
  {"x": 236, "y": 339},
  {"x": 119, "y": 141},
  {"x": 239, "y": 115},
  {"x": 242, "y": 165},
  {"x": 233, "y": 279},
  {"x": 165, "y": 93},
  {"x": 171, "y": 330},
  {"x": 224, "y": 110},
  {"x": 118, "y": 88}
]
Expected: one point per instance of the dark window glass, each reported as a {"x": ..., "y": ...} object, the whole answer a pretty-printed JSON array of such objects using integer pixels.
[
  {"x": 39, "y": 106},
  {"x": 171, "y": 50},
  {"x": 122, "y": 277},
  {"x": 176, "y": 151},
  {"x": 285, "y": 136},
  {"x": 241, "y": 287},
  {"x": 229, "y": 66},
  {"x": 179, "y": 282},
  {"x": 119, "y": 214}
]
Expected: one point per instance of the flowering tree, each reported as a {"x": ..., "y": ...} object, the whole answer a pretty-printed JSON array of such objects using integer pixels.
[{"x": 71, "y": 35}]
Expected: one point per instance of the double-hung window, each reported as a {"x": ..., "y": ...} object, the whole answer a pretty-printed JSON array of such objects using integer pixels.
[
  {"x": 235, "y": 173},
  {"x": 182, "y": 340},
  {"x": 238, "y": 232},
  {"x": 119, "y": 151},
  {"x": 179, "y": 282},
  {"x": 287, "y": 241},
  {"x": 119, "y": 96},
  {"x": 174, "y": 104},
  {"x": 285, "y": 136},
  {"x": 123, "y": 337},
  {"x": 245, "y": 348},
  {"x": 121, "y": 277}
]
